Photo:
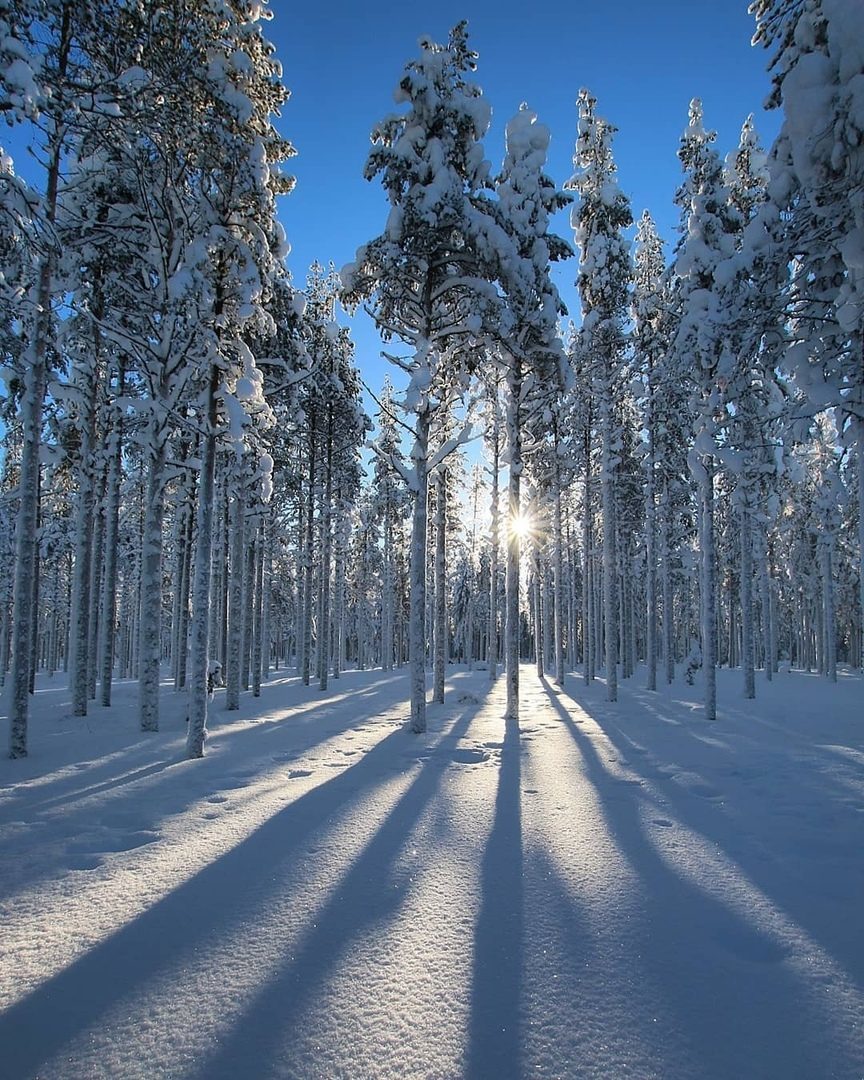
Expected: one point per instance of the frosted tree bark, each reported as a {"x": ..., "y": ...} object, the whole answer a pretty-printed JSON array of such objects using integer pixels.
[
  {"x": 588, "y": 625},
  {"x": 511, "y": 621},
  {"x": 539, "y": 620},
  {"x": 112, "y": 526},
  {"x": 248, "y": 609},
  {"x": 610, "y": 558},
  {"x": 257, "y": 648},
  {"x": 149, "y": 637},
  {"x": 96, "y": 628},
  {"x": 80, "y": 638},
  {"x": 200, "y": 630},
  {"x": 387, "y": 598},
  {"x": 558, "y": 540},
  {"x": 325, "y": 632},
  {"x": 708, "y": 592},
  {"x": 829, "y": 631},
  {"x": 651, "y": 550},
  {"x": 860, "y": 454},
  {"x": 35, "y": 378},
  {"x": 747, "y": 648},
  {"x": 235, "y": 603},
  {"x": 495, "y": 526},
  {"x": 440, "y": 625},
  {"x": 308, "y": 568},
  {"x": 666, "y": 576},
  {"x": 417, "y": 575},
  {"x": 765, "y": 604}
]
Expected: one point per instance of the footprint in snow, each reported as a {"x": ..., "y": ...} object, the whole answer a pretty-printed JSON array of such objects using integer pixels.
[{"x": 294, "y": 774}]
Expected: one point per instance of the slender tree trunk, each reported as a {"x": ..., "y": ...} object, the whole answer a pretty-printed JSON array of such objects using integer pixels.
[
  {"x": 307, "y": 560},
  {"x": 325, "y": 632},
  {"x": 747, "y": 650},
  {"x": 828, "y": 610},
  {"x": 79, "y": 666},
  {"x": 248, "y": 609},
  {"x": 539, "y": 615},
  {"x": 610, "y": 560},
  {"x": 417, "y": 574},
  {"x": 651, "y": 553},
  {"x": 149, "y": 633},
  {"x": 96, "y": 573},
  {"x": 257, "y": 647},
  {"x": 440, "y": 635},
  {"x": 35, "y": 379},
  {"x": 708, "y": 593},
  {"x": 200, "y": 645},
  {"x": 765, "y": 604},
  {"x": 558, "y": 540},
  {"x": 492, "y": 634},
  {"x": 235, "y": 603},
  {"x": 112, "y": 528},
  {"x": 511, "y": 624}
]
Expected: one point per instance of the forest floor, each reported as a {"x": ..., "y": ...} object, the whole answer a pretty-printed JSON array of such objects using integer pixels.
[{"x": 601, "y": 891}]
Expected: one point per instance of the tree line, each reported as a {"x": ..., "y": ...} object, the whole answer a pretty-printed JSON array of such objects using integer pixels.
[{"x": 182, "y": 472}]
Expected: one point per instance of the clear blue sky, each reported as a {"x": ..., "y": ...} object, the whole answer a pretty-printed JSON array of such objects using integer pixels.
[{"x": 643, "y": 60}]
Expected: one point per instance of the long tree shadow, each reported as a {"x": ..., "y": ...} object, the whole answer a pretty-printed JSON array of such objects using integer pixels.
[
  {"x": 723, "y": 975},
  {"x": 495, "y": 1036},
  {"x": 366, "y": 898},
  {"x": 804, "y": 866},
  {"x": 166, "y": 797},
  {"x": 245, "y": 880}
]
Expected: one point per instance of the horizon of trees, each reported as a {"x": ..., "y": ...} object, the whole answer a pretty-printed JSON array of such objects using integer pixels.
[{"x": 182, "y": 479}]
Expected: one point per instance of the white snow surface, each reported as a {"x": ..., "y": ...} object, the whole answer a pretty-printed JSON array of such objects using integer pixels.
[{"x": 605, "y": 891}]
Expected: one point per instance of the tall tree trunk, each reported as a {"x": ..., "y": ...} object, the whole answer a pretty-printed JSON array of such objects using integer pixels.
[
  {"x": 708, "y": 592},
  {"x": 149, "y": 633},
  {"x": 651, "y": 553},
  {"x": 79, "y": 665},
  {"x": 492, "y": 634},
  {"x": 610, "y": 559},
  {"x": 235, "y": 603},
  {"x": 747, "y": 650},
  {"x": 200, "y": 645},
  {"x": 325, "y": 632},
  {"x": 308, "y": 568},
  {"x": 440, "y": 634},
  {"x": 35, "y": 379},
  {"x": 558, "y": 571},
  {"x": 511, "y": 622},
  {"x": 112, "y": 529},
  {"x": 257, "y": 648},
  {"x": 96, "y": 573},
  {"x": 417, "y": 576}
]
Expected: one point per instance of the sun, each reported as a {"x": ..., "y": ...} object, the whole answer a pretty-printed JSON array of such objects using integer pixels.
[{"x": 521, "y": 526}]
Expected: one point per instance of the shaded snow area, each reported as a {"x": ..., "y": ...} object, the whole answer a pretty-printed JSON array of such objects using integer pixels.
[{"x": 605, "y": 891}]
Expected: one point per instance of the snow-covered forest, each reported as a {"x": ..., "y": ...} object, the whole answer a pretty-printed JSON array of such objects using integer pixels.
[
  {"x": 202, "y": 497},
  {"x": 670, "y": 477}
]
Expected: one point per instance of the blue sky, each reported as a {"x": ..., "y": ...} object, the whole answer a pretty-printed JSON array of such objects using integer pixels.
[{"x": 643, "y": 61}]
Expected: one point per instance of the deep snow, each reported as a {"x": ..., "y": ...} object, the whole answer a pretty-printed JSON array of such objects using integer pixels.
[{"x": 605, "y": 891}]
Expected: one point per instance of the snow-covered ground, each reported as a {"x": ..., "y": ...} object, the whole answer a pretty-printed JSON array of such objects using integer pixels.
[{"x": 608, "y": 891}]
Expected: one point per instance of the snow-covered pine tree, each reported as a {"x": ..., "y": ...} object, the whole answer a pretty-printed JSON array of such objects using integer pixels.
[
  {"x": 710, "y": 227},
  {"x": 650, "y": 340},
  {"x": 48, "y": 82},
  {"x": 391, "y": 504},
  {"x": 425, "y": 276},
  {"x": 529, "y": 347},
  {"x": 599, "y": 218},
  {"x": 817, "y": 183}
]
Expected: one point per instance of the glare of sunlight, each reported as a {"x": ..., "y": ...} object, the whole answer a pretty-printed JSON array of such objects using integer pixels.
[{"x": 521, "y": 526}]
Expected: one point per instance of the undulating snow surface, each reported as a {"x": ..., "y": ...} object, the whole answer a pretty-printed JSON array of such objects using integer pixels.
[{"x": 608, "y": 891}]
